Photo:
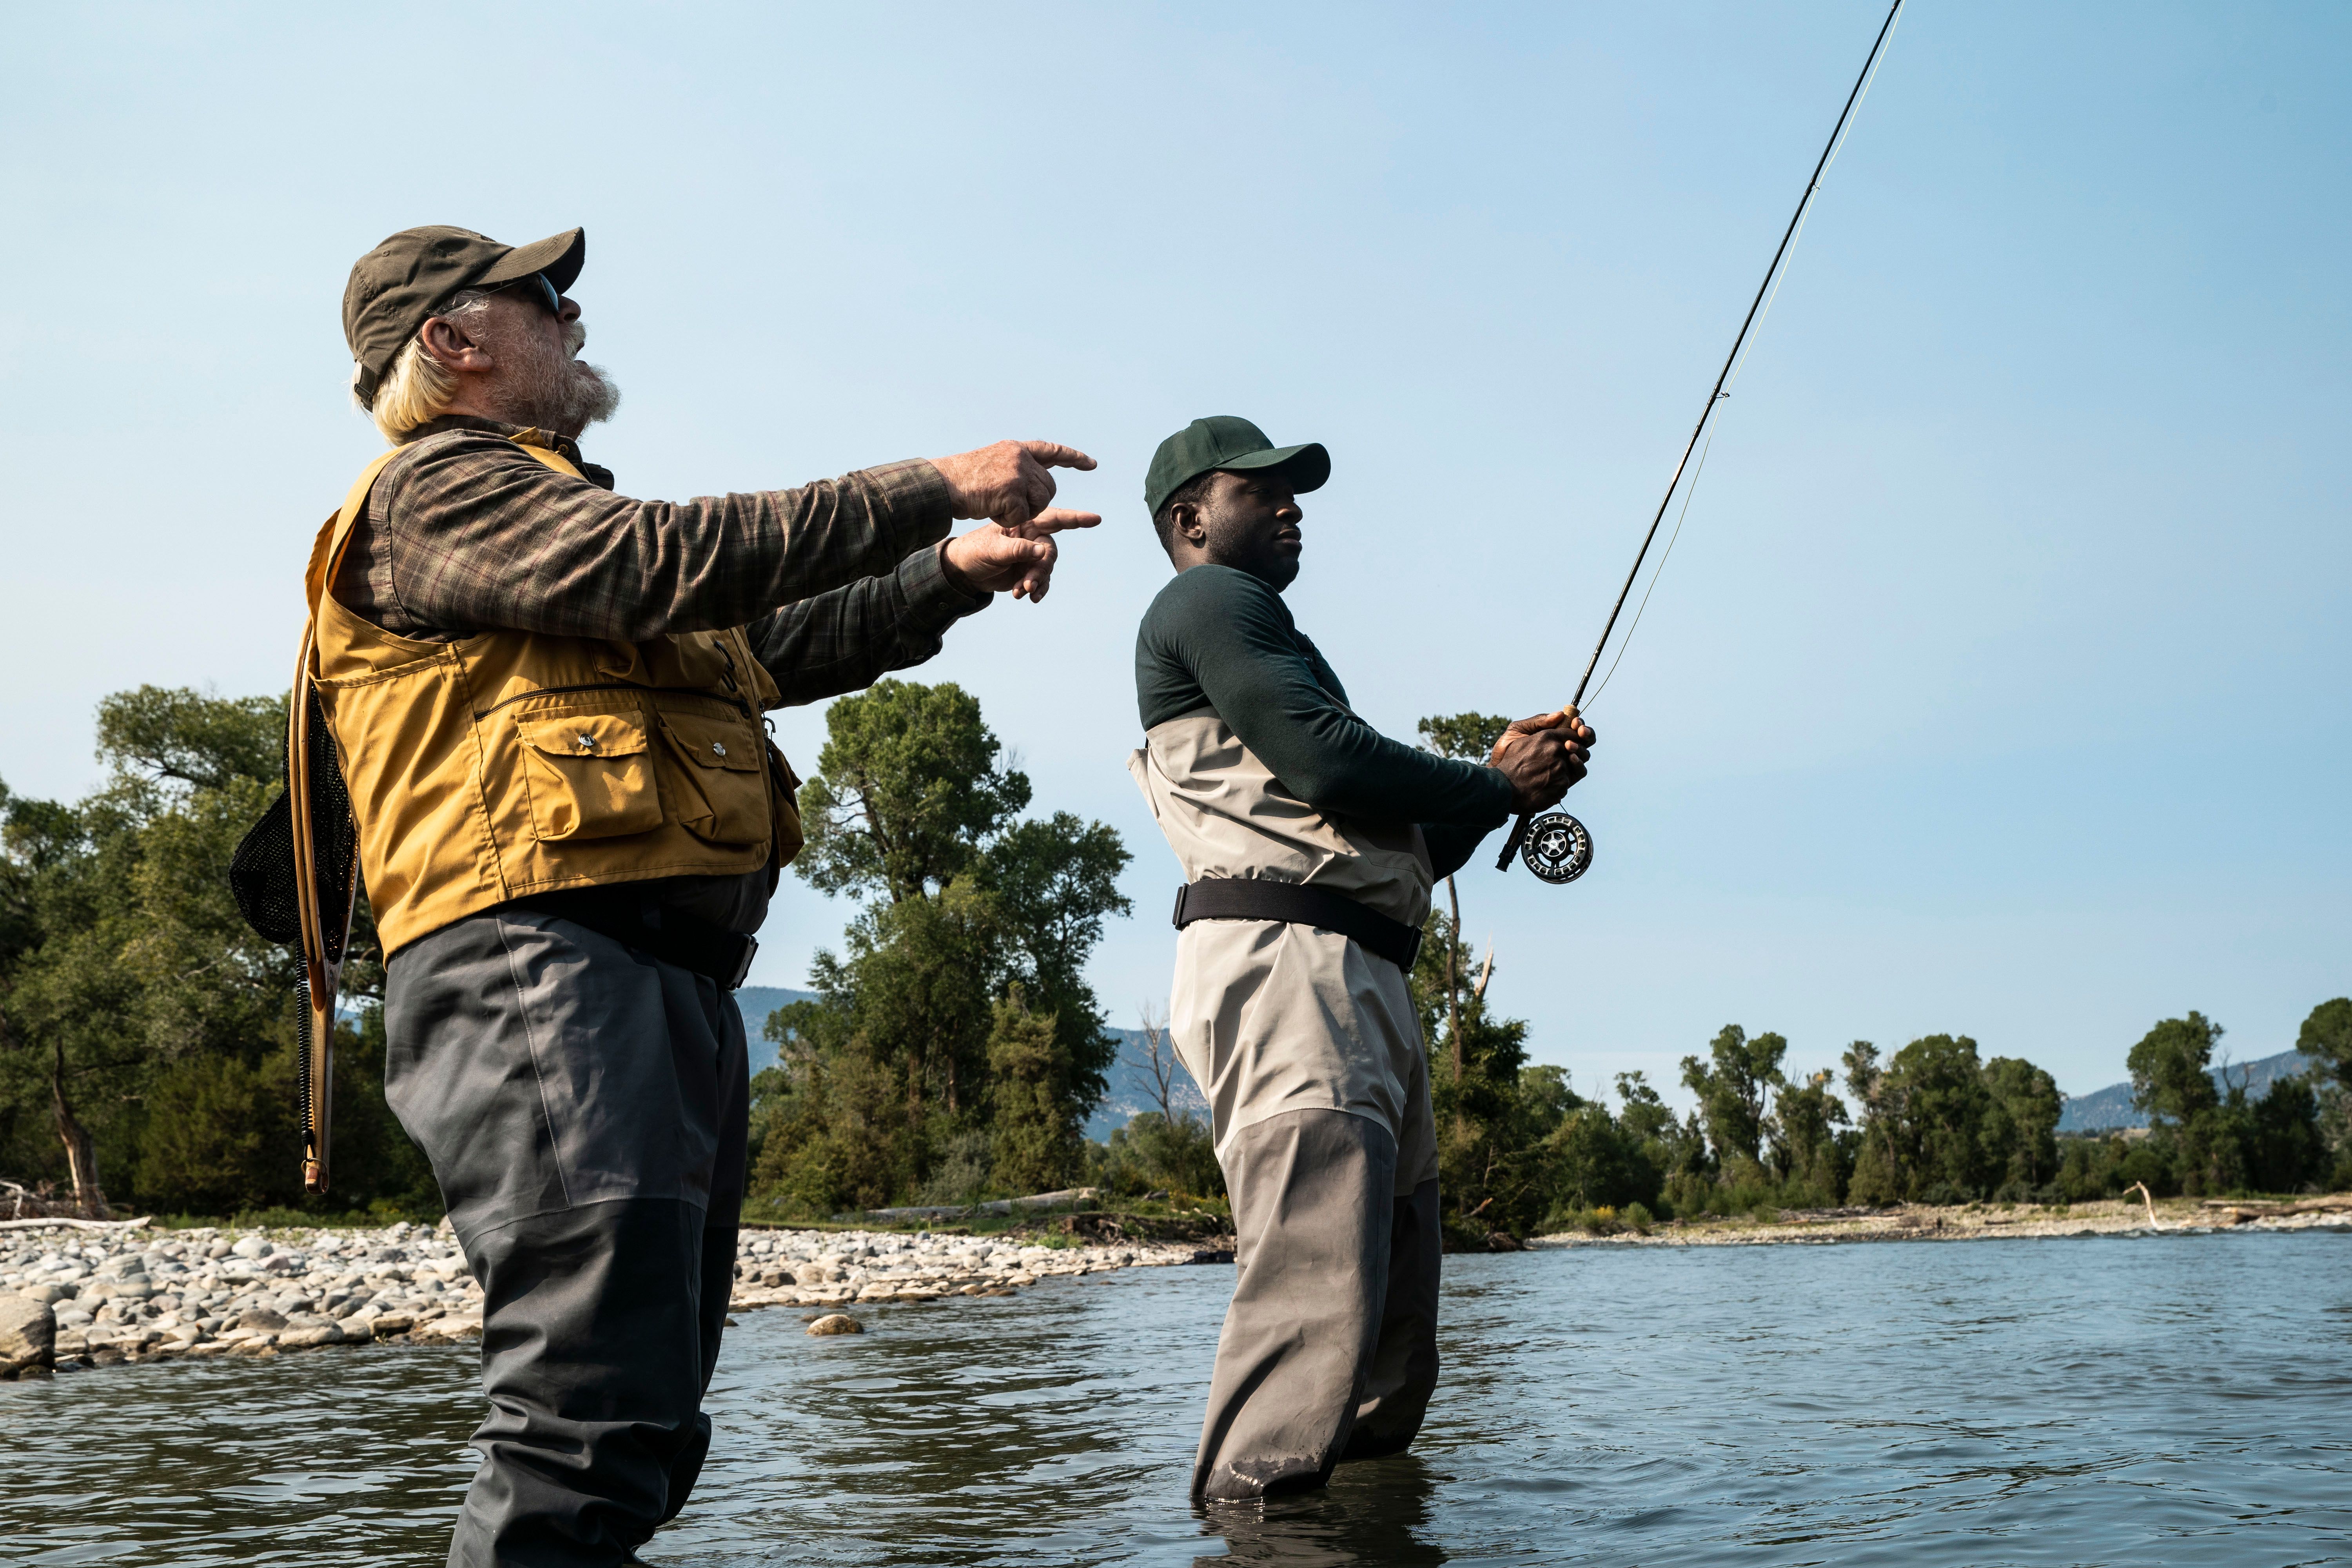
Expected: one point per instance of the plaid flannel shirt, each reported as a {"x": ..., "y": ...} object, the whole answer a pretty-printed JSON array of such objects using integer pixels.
[{"x": 837, "y": 582}]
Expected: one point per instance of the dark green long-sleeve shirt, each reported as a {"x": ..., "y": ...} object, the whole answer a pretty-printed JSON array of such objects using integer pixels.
[{"x": 1220, "y": 639}]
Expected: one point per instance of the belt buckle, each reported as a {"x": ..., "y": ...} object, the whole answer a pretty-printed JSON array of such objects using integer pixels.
[{"x": 743, "y": 963}]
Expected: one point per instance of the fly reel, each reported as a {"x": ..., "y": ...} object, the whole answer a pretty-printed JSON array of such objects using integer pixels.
[{"x": 1557, "y": 850}]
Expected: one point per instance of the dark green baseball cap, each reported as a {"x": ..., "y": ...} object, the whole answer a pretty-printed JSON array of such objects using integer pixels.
[
  {"x": 1223, "y": 443},
  {"x": 398, "y": 285}
]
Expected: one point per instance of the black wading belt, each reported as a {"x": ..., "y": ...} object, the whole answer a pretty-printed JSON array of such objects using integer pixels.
[
  {"x": 1254, "y": 899},
  {"x": 671, "y": 935}
]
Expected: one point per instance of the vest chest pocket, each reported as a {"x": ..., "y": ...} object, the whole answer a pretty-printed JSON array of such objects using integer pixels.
[
  {"x": 720, "y": 792},
  {"x": 590, "y": 776}
]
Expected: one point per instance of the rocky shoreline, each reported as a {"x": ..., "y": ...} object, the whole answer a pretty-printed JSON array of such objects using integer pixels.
[
  {"x": 74, "y": 1297},
  {"x": 1978, "y": 1222}
]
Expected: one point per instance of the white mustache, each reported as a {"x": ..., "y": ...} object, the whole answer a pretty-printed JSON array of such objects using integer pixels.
[{"x": 575, "y": 338}]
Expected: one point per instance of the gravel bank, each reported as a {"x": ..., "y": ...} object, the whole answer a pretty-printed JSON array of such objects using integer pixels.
[
  {"x": 72, "y": 1298},
  {"x": 1920, "y": 1221}
]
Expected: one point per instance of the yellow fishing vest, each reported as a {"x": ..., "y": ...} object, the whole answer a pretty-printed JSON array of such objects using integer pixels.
[{"x": 513, "y": 763}]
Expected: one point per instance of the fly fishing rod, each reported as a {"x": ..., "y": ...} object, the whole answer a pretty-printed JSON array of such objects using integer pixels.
[{"x": 1556, "y": 845}]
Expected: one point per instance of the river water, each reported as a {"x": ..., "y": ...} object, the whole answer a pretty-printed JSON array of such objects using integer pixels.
[{"x": 2143, "y": 1400}]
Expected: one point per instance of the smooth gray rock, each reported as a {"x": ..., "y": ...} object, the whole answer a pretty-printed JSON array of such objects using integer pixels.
[{"x": 28, "y": 1335}]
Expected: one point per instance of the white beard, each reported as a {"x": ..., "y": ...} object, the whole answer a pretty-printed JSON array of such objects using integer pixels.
[{"x": 560, "y": 391}]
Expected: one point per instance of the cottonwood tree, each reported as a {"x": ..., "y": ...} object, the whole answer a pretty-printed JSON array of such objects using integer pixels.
[
  {"x": 1733, "y": 1088},
  {"x": 963, "y": 904}
]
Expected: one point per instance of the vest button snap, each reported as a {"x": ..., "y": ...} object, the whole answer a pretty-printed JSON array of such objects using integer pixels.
[
  {"x": 719, "y": 747},
  {"x": 587, "y": 741}
]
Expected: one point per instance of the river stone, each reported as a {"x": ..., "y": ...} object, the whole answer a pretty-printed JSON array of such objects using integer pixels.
[
  {"x": 259, "y": 1320},
  {"x": 251, "y": 1247},
  {"x": 836, "y": 1324},
  {"x": 28, "y": 1335},
  {"x": 304, "y": 1336}
]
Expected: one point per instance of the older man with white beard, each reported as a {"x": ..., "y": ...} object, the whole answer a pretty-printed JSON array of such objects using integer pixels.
[{"x": 545, "y": 700}]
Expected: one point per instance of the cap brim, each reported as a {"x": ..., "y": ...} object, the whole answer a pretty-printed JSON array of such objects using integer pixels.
[
  {"x": 560, "y": 255},
  {"x": 1308, "y": 466}
]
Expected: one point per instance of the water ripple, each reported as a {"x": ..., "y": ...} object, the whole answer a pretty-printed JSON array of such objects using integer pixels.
[{"x": 2177, "y": 1400}]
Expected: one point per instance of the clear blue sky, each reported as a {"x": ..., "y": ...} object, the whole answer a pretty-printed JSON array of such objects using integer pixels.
[{"x": 1997, "y": 685}]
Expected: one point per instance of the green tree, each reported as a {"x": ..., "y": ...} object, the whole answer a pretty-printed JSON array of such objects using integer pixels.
[
  {"x": 1468, "y": 738},
  {"x": 1806, "y": 1155},
  {"x": 2285, "y": 1150},
  {"x": 1925, "y": 1113},
  {"x": 2326, "y": 1039},
  {"x": 1056, "y": 883},
  {"x": 907, "y": 791},
  {"x": 1672, "y": 1148},
  {"x": 1733, "y": 1090},
  {"x": 832, "y": 1120},
  {"x": 2021, "y": 1125},
  {"x": 142, "y": 1023},
  {"x": 2169, "y": 1068},
  {"x": 964, "y": 909},
  {"x": 1492, "y": 1118},
  {"x": 1035, "y": 1146},
  {"x": 2188, "y": 1125}
]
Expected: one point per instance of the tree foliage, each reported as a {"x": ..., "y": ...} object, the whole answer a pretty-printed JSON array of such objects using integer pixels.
[
  {"x": 907, "y": 791},
  {"x": 955, "y": 1046},
  {"x": 145, "y": 1032}
]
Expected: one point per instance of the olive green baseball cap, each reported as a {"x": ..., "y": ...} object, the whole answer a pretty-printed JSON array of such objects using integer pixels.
[
  {"x": 1223, "y": 443},
  {"x": 398, "y": 285}
]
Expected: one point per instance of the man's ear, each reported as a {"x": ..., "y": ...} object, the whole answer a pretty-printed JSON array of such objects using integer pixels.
[
  {"x": 1184, "y": 522},
  {"x": 453, "y": 349}
]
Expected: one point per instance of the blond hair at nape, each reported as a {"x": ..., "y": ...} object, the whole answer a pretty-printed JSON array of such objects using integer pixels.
[{"x": 418, "y": 388}]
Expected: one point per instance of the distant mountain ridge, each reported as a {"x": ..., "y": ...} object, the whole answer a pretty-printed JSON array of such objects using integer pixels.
[
  {"x": 1130, "y": 1085},
  {"x": 2111, "y": 1109},
  {"x": 757, "y": 1002},
  {"x": 1130, "y": 1091}
]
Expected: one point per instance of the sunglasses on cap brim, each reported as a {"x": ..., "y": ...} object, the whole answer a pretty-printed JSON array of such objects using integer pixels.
[{"x": 547, "y": 294}]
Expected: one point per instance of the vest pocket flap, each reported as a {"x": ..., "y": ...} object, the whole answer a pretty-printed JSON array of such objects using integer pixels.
[
  {"x": 587, "y": 736},
  {"x": 715, "y": 742}
]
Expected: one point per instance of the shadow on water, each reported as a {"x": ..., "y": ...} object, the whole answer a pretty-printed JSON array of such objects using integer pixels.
[
  {"x": 2164, "y": 1400},
  {"x": 1373, "y": 1513}
]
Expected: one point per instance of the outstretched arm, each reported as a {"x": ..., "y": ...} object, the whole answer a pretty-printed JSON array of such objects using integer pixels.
[{"x": 476, "y": 534}]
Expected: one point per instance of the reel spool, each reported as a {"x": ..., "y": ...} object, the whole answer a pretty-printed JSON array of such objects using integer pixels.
[{"x": 1557, "y": 848}]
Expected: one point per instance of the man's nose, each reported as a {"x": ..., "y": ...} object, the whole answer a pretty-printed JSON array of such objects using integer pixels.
[{"x": 567, "y": 309}]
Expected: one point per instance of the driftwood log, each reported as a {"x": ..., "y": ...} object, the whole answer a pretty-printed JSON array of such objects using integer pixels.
[{"x": 141, "y": 1223}]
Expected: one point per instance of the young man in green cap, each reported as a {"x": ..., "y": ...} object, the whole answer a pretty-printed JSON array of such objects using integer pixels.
[
  {"x": 1309, "y": 843},
  {"x": 545, "y": 700}
]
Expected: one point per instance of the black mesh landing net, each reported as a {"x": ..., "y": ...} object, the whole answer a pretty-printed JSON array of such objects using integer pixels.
[{"x": 262, "y": 872}]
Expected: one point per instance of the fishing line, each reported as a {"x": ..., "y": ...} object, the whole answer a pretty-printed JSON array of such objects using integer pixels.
[
  {"x": 1667, "y": 555},
  {"x": 1795, "y": 239},
  {"x": 1556, "y": 848}
]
